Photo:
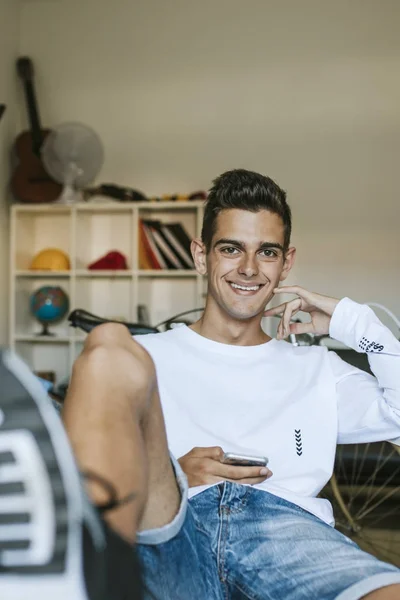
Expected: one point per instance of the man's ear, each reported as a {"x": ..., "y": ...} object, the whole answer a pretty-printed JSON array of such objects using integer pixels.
[
  {"x": 290, "y": 257},
  {"x": 199, "y": 254}
]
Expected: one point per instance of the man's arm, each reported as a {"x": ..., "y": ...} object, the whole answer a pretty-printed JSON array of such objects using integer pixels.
[{"x": 368, "y": 407}]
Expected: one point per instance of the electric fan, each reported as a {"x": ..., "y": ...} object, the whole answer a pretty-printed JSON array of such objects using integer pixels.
[{"x": 73, "y": 155}]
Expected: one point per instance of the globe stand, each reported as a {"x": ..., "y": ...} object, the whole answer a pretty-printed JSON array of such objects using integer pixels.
[{"x": 45, "y": 331}]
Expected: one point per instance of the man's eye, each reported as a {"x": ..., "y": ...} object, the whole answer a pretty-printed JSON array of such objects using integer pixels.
[
  {"x": 230, "y": 250},
  {"x": 269, "y": 253}
]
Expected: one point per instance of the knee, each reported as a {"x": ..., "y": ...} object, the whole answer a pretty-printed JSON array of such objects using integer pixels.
[
  {"x": 110, "y": 348},
  {"x": 107, "y": 335}
]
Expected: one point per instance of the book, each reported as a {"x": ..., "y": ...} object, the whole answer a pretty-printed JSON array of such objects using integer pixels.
[
  {"x": 168, "y": 253},
  {"x": 180, "y": 241},
  {"x": 151, "y": 248},
  {"x": 163, "y": 245},
  {"x": 146, "y": 261}
]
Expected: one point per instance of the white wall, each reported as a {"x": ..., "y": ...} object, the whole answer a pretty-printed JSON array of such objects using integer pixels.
[
  {"x": 9, "y": 39},
  {"x": 307, "y": 92}
]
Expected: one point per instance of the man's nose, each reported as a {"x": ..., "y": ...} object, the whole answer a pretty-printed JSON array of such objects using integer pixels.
[{"x": 248, "y": 266}]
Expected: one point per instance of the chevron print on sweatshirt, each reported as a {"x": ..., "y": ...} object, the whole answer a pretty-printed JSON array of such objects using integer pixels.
[{"x": 299, "y": 443}]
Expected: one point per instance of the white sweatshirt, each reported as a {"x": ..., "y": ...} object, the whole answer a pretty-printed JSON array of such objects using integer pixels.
[{"x": 291, "y": 404}]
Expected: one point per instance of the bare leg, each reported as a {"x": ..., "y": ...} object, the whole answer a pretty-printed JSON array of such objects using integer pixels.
[
  {"x": 390, "y": 592},
  {"x": 114, "y": 420}
]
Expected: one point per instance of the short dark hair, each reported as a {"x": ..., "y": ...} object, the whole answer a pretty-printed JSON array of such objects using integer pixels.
[{"x": 244, "y": 190}]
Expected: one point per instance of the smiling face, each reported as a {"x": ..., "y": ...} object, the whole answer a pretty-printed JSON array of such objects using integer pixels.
[{"x": 245, "y": 263}]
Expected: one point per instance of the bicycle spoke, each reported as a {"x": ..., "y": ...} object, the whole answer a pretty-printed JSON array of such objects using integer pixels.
[
  {"x": 370, "y": 481},
  {"x": 361, "y": 464},
  {"x": 385, "y": 516},
  {"x": 384, "y": 538},
  {"x": 384, "y": 553},
  {"x": 354, "y": 462},
  {"x": 378, "y": 467},
  {"x": 360, "y": 515},
  {"x": 396, "y": 540},
  {"x": 341, "y": 466},
  {"x": 373, "y": 503}
]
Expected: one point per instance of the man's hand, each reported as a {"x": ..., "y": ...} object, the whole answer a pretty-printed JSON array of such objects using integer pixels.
[
  {"x": 319, "y": 307},
  {"x": 202, "y": 466}
]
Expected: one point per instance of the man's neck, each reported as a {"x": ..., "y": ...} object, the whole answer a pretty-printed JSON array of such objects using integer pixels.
[{"x": 220, "y": 327}]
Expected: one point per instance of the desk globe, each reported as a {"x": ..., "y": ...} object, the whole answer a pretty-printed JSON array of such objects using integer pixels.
[{"x": 49, "y": 305}]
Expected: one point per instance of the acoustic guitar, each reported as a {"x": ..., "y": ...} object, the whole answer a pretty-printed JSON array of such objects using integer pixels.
[{"x": 30, "y": 181}]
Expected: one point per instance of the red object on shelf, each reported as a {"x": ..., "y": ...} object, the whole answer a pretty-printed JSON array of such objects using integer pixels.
[{"x": 111, "y": 261}]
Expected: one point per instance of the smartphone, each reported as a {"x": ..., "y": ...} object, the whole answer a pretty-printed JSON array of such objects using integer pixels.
[{"x": 243, "y": 460}]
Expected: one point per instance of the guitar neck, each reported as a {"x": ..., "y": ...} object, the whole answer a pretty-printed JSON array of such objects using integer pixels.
[{"x": 33, "y": 114}]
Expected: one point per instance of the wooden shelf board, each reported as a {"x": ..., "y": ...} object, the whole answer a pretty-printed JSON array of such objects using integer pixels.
[
  {"x": 37, "y": 339},
  {"x": 107, "y": 206},
  {"x": 168, "y": 273},
  {"x": 106, "y": 273},
  {"x": 28, "y": 273}
]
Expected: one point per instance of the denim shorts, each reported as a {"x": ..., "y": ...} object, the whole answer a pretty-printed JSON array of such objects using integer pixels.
[{"x": 236, "y": 542}]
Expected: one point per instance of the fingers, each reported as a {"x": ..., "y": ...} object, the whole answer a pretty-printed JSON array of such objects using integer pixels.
[
  {"x": 310, "y": 300},
  {"x": 291, "y": 289},
  {"x": 275, "y": 310},
  {"x": 290, "y": 309},
  {"x": 252, "y": 480},
  {"x": 298, "y": 328},
  {"x": 319, "y": 307},
  {"x": 201, "y": 469},
  {"x": 280, "y": 309},
  {"x": 234, "y": 473},
  {"x": 214, "y": 452}
]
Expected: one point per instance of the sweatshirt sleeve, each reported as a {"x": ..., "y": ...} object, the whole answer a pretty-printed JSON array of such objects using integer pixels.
[{"x": 368, "y": 406}]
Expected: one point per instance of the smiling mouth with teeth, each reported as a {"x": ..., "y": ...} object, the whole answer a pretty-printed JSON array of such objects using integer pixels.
[{"x": 245, "y": 288}]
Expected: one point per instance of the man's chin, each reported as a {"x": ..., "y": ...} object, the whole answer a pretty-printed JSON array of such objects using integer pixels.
[{"x": 247, "y": 315}]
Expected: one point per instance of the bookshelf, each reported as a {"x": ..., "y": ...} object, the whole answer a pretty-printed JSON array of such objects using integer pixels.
[{"x": 86, "y": 232}]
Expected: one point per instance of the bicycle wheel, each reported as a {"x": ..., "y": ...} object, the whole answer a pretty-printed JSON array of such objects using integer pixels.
[{"x": 365, "y": 494}]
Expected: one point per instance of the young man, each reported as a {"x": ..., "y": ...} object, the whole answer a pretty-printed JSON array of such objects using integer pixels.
[{"x": 223, "y": 384}]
